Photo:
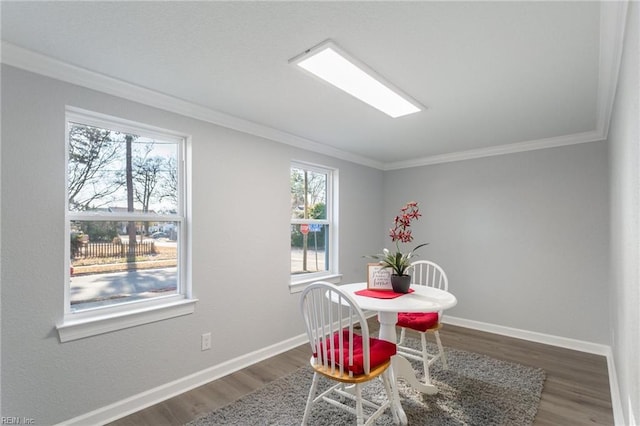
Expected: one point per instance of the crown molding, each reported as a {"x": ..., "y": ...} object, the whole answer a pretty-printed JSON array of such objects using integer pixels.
[
  {"x": 27, "y": 60},
  {"x": 491, "y": 151},
  {"x": 612, "y": 27}
]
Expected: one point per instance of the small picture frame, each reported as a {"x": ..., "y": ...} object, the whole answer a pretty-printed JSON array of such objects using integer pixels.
[{"x": 378, "y": 277}]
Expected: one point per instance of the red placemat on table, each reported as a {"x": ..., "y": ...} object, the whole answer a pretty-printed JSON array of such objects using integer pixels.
[{"x": 381, "y": 294}]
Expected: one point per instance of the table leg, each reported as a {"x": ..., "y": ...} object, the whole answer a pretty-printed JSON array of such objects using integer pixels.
[
  {"x": 396, "y": 405},
  {"x": 402, "y": 368},
  {"x": 388, "y": 322}
]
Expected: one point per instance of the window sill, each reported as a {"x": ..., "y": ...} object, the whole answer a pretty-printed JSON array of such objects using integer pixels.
[
  {"x": 74, "y": 329},
  {"x": 299, "y": 285}
]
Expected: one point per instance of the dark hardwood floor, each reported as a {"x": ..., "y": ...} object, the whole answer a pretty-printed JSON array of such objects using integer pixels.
[{"x": 576, "y": 390}]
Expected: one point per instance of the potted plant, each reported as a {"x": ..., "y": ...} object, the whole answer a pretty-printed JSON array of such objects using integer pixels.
[{"x": 397, "y": 260}]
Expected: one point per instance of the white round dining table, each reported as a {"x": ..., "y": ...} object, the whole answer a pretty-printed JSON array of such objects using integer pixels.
[{"x": 422, "y": 299}]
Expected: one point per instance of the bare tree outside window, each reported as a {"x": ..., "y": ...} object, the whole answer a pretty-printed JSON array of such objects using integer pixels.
[
  {"x": 93, "y": 153},
  {"x": 123, "y": 215}
]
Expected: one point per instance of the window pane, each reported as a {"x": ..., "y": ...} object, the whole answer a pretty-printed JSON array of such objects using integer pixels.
[
  {"x": 308, "y": 194},
  {"x": 107, "y": 269},
  {"x": 309, "y": 248},
  {"x": 104, "y": 163}
]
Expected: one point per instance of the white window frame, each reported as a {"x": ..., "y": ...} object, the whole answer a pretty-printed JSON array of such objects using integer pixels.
[
  {"x": 300, "y": 281},
  {"x": 93, "y": 321}
]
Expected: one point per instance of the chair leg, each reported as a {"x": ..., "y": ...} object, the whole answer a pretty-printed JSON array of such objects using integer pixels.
[
  {"x": 402, "y": 330},
  {"x": 397, "y": 406},
  {"x": 388, "y": 387},
  {"x": 425, "y": 357},
  {"x": 443, "y": 357},
  {"x": 359, "y": 411},
  {"x": 312, "y": 394}
]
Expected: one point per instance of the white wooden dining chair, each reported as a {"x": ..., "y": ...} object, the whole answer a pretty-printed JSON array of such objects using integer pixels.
[
  {"x": 424, "y": 272},
  {"x": 331, "y": 319}
]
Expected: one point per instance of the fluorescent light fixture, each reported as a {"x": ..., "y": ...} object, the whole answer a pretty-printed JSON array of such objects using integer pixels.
[{"x": 332, "y": 64}]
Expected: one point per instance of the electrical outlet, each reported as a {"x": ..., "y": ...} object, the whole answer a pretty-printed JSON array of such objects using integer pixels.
[{"x": 206, "y": 341}]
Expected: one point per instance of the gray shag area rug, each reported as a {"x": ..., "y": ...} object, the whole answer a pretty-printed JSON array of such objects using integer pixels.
[{"x": 475, "y": 390}]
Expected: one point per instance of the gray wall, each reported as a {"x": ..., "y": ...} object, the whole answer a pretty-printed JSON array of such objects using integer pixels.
[
  {"x": 624, "y": 138},
  {"x": 240, "y": 213},
  {"x": 523, "y": 237}
]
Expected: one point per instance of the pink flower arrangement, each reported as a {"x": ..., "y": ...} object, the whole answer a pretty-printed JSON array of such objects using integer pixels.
[{"x": 400, "y": 233}]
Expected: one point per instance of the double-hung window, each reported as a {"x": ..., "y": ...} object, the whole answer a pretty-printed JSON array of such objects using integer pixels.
[
  {"x": 313, "y": 223},
  {"x": 126, "y": 219}
]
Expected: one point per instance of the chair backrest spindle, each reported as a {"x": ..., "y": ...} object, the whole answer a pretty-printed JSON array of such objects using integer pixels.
[
  {"x": 330, "y": 320},
  {"x": 425, "y": 272}
]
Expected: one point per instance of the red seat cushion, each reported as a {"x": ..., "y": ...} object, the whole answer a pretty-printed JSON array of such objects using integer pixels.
[
  {"x": 379, "y": 352},
  {"x": 418, "y": 321}
]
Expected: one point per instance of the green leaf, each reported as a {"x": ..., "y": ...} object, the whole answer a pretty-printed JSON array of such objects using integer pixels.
[{"x": 421, "y": 245}]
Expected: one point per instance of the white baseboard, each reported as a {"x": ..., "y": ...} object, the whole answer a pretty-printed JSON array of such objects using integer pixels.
[
  {"x": 563, "y": 342},
  {"x": 156, "y": 395},
  {"x": 616, "y": 402}
]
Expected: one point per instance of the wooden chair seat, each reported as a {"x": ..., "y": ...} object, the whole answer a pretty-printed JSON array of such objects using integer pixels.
[{"x": 347, "y": 378}]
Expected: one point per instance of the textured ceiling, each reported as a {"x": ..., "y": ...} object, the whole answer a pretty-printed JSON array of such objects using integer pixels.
[{"x": 490, "y": 73}]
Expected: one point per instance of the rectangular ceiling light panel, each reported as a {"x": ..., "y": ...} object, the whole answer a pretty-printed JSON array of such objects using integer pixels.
[{"x": 330, "y": 63}]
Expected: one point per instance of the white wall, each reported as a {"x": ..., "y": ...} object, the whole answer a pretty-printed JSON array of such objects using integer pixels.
[
  {"x": 240, "y": 213},
  {"x": 523, "y": 237},
  {"x": 624, "y": 137}
]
